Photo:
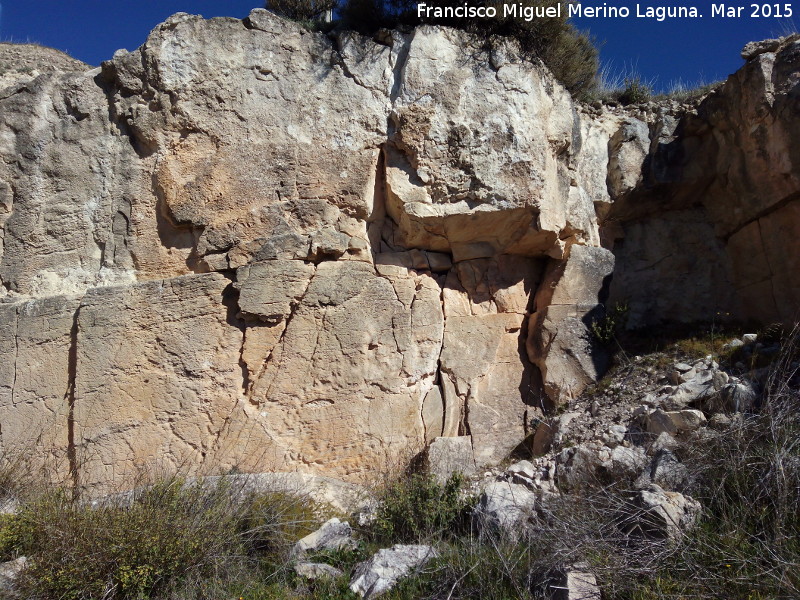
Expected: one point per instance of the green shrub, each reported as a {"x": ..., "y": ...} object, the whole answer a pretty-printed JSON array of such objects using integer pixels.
[
  {"x": 166, "y": 536},
  {"x": 606, "y": 328},
  {"x": 117, "y": 551},
  {"x": 10, "y": 537},
  {"x": 274, "y": 521},
  {"x": 417, "y": 508},
  {"x": 635, "y": 91}
]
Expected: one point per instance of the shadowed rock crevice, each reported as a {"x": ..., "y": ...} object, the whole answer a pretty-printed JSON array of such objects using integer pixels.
[{"x": 69, "y": 397}]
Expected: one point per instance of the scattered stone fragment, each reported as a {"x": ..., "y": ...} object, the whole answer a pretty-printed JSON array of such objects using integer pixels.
[
  {"x": 505, "y": 506},
  {"x": 627, "y": 461},
  {"x": 664, "y": 441},
  {"x": 579, "y": 465},
  {"x": 9, "y": 571},
  {"x": 522, "y": 469},
  {"x": 738, "y": 397},
  {"x": 317, "y": 571},
  {"x": 698, "y": 389},
  {"x": 732, "y": 345},
  {"x": 576, "y": 583},
  {"x": 380, "y": 573},
  {"x": 719, "y": 421},
  {"x": 333, "y": 535},
  {"x": 448, "y": 455},
  {"x": 674, "y": 422},
  {"x": 664, "y": 470},
  {"x": 659, "y": 514}
]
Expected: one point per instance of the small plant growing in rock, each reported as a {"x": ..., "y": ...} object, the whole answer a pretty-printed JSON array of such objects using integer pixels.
[{"x": 606, "y": 328}]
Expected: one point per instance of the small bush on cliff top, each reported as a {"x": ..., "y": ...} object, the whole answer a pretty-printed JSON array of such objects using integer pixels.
[
  {"x": 567, "y": 52},
  {"x": 301, "y": 10},
  {"x": 635, "y": 91}
]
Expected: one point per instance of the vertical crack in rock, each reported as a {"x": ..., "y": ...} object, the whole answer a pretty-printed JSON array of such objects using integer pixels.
[
  {"x": 246, "y": 382},
  {"x": 16, "y": 354},
  {"x": 69, "y": 397},
  {"x": 230, "y": 297},
  {"x": 769, "y": 265},
  {"x": 399, "y": 67},
  {"x": 463, "y": 426},
  {"x": 293, "y": 308},
  {"x": 437, "y": 376},
  {"x": 376, "y": 220}
]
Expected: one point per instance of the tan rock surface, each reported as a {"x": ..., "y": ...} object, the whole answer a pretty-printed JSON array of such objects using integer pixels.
[
  {"x": 285, "y": 250},
  {"x": 221, "y": 90},
  {"x": 64, "y": 172},
  {"x": 560, "y": 341},
  {"x": 36, "y": 374},
  {"x": 489, "y": 386},
  {"x": 157, "y": 378},
  {"x": 719, "y": 204},
  {"x": 343, "y": 385}
]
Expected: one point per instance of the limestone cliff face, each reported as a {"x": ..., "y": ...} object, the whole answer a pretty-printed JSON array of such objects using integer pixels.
[{"x": 246, "y": 245}]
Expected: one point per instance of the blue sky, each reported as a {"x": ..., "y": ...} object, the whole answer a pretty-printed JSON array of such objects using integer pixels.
[{"x": 687, "y": 50}]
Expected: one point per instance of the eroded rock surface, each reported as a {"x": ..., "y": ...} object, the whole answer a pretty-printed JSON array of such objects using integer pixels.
[
  {"x": 719, "y": 205},
  {"x": 245, "y": 245}
]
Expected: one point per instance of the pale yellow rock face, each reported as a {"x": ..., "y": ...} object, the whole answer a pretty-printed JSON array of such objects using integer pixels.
[
  {"x": 560, "y": 342},
  {"x": 157, "y": 377},
  {"x": 245, "y": 245},
  {"x": 478, "y": 161},
  {"x": 488, "y": 385},
  {"x": 63, "y": 209},
  {"x": 341, "y": 386},
  {"x": 35, "y": 376},
  {"x": 254, "y": 146}
]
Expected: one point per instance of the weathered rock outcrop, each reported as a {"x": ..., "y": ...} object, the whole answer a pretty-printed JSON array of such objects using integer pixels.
[
  {"x": 717, "y": 211},
  {"x": 244, "y": 245}
]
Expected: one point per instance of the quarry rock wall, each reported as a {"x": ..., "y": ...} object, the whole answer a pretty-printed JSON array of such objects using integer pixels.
[{"x": 248, "y": 246}]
